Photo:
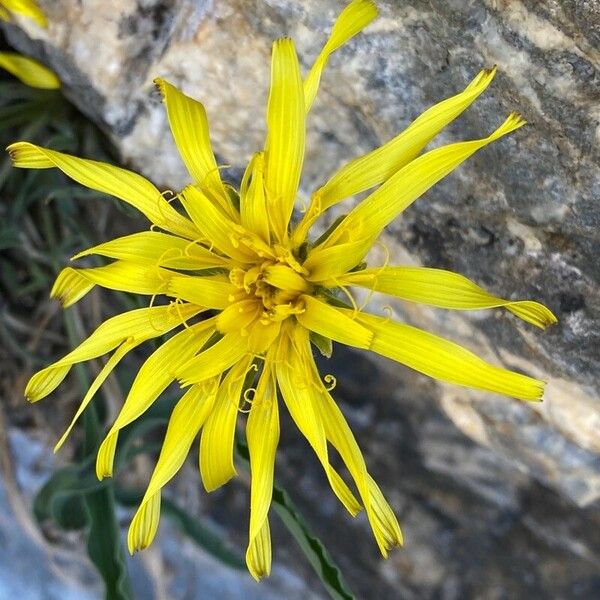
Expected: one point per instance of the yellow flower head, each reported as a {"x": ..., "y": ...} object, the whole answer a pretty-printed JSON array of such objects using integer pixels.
[
  {"x": 252, "y": 292},
  {"x": 28, "y": 8}
]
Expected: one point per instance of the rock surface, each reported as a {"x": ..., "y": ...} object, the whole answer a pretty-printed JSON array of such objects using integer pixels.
[{"x": 521, "y": 218}]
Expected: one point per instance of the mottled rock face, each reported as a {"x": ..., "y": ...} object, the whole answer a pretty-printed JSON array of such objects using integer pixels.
[{"x": 522, "y": 217}]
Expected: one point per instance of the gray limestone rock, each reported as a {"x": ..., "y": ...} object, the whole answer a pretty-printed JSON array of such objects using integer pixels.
[{"x": 521, "y": 218}]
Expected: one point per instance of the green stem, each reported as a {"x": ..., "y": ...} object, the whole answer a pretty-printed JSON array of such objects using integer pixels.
[{"x": 104, "y": 536}]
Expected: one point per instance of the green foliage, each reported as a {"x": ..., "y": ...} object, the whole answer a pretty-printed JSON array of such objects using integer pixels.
[
  {"x": 314, "y": 550},
  {"x": 74, "y": 499},
  {"x": 61, "y": 497},
  {"x": 104, "y": 546}
]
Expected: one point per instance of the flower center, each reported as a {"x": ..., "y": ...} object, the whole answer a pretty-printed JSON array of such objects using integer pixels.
[{"x": 275, "y": 289}]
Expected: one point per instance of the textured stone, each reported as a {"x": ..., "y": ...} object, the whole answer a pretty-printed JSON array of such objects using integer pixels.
[{"x": 521, "y": 218}]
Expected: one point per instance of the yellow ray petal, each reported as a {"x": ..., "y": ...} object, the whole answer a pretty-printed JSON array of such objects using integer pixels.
[
  {"x": 138, "y": 278},
  {"x": 240, "y": 316},
  {"x": 352, "y": 20},
  {"x": 141, "y": 324},
  {"x": 262, "y": 434},
  {"x": 4, "y": 14},
  {"x": 106, "y": 370},
  {"x": 186, "y": 420},
  {"x": 253, "y": 202},
  {"x": 445, "y": 360},
  {"x": 259, "y": 555},
  {"x": 27, "y": 8},
  {"x": 125, "y": 185},
  {"x": 70, "y": 287},
  {"x": 300, "y": 398},
  {"x": 189, "y": 126},
  {"x": 212, "y": 292},
  {"x": 151, "y": 380},
  {"x": 444, "y": 289},
  {"x": 381, "y": 518},
  {"x": 157, "y": 248},
  {"x": 216, "y": 359},
  {"x": 286, "y": 123},
  {"x": 384, "y": 520},
  {"x": 216, "y": 443},
  {"x": 144, "y": 525},
  {"x": 334, "y": 324},
  {"x": 106, "y": 456},
  {"x": 367, "y": 220},
  {"x": 218, "y": 229},
  {"x": 29, "y": 71},
  {"x": 324, "y": 263},
  {"x": 262, "y": 334},
  {"x": 285, "y": 278},
  {"x": 380, "y": 164}
]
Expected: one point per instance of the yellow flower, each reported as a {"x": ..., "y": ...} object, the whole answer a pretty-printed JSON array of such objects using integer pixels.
[
  {"x": 28, "y": 8},
  {"x": 265, "y": 291},
  {"x": 29, "y": 71}
]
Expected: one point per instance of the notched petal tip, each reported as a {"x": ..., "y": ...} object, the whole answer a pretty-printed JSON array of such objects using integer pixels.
[
  {"x": 534, "y": 313},
  {"x": 134, "y": 549},
  {"x": 29, "y": 395},
  {"x": 14, "y": 150},
  {"x": 361, "y": 12},
  {"x": 541, "y": 390},
  {"x": 482, "y": 79},
  {"x": 106, "y": 456},
  {"x": 514, "y": 121},
  {"x": 282, "y": 41},
  {"x": 545, "y": 316},
  {"x": 29, "y": 156},
  {"x": 160, "y": 84},
  {"x": 29, "y": 389},
  {"x": 488, "y": 73},
  {"x": 144, "y": 525}
]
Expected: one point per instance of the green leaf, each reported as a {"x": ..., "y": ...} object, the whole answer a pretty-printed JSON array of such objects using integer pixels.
[
  {"x": 74, "y": 499},
  {"x": 311, "y": 546},
  {"x": 61, "y": 497},
  {"x": 104, "y": 546}
]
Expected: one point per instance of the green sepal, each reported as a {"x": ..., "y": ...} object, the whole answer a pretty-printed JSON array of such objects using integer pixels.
[{"x": 323, "y": 344}]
